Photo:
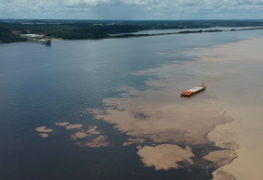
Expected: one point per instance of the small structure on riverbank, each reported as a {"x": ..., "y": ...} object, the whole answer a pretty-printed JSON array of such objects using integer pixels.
[
  {"x": 40, "y": 41},
  {"x": 37, "y": 38},
  {"x": 32, "y": 35}
]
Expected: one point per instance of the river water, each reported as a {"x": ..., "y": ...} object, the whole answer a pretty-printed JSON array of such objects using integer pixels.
[
  {"x": 160, "y": 31},
  {"x": 52, "y": 97}
]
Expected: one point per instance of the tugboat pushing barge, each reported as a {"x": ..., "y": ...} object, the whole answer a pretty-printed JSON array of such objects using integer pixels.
[{"x": 193, "y": 91}]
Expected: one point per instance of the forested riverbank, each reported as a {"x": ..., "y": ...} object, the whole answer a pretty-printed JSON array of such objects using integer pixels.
[
  {"x": 6, "y": 36},
  {"x": 73, "y": 29}
]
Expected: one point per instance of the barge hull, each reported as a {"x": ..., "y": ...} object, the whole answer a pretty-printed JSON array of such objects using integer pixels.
[{"x": 193, "y": 91}]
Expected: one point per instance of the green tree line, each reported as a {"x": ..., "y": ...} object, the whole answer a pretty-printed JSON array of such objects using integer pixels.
[
  {"x": 85, "y": 29},
  {"x": 7, "y": 36}
]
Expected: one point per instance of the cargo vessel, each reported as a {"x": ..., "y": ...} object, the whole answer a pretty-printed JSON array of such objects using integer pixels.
[{"x": 193, "y": 91}]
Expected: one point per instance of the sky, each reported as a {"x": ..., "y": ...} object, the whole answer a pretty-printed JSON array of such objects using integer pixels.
[{"x": 131, "y": 9}]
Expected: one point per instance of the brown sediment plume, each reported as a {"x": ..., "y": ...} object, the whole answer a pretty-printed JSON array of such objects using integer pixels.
[
  {"x": 235, "y": 79},
  {"x": 79, "y": 135},
  {"x": 134, "y": 141},
  {"x": 74, "y": 126},
  {"x": 82, "y": 134},
  {"x": 186, "y": 123},
  {"x": 44, "y": 129},
  {"x": 93, "y": 130},
  {"x": 158, "y": 115},
  {"x": 165, "y": 156},
  {"x": 62, "y": 123},
  {"x": 44, "y": 135},
  {"x": 100, "y": 141},
  {"x": 222, "y": 157},
  {"x": 220, "y": 174},
  {"x": 221, "y": 137},
  {"x": 232, "y": 73}
]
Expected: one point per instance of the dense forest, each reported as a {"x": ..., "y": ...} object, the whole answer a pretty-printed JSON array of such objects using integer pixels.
[
  {"x": 92, "y": 29},
  {"x": 7, "y": 36},
  {"x": 73, "y": 31}
]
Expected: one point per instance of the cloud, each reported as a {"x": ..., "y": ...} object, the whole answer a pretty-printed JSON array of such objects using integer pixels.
[{"x": 129, "y": 9}]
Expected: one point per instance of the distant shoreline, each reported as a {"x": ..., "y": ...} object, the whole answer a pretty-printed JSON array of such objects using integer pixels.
[
  {"x": 12, "y": 30},
  {"x": 56, "y": 39},
  {"x": 181, "y": 32},
  {"x": 130, "y": 35},
  {"x": 161, "y": 34}
]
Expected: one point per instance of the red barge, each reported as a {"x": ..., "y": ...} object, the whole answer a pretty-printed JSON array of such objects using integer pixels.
[{"x": 193, "y": 91}]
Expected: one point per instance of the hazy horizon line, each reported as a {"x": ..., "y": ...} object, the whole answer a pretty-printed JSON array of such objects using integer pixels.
[{"x": 133, "y": 20}]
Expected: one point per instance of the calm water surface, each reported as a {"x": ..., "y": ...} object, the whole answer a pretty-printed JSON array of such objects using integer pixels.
[
  {"x": 41, "y": 85},
  {"x": 192, "y": 29}
]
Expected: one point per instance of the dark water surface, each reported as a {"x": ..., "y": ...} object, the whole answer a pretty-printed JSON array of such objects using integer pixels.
[{"x": 41, "y": 85}]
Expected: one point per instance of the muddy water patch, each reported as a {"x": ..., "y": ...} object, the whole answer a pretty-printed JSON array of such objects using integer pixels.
[
  {"x": 91, "y": 136},
  {"x": 169, "y": 131}
]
